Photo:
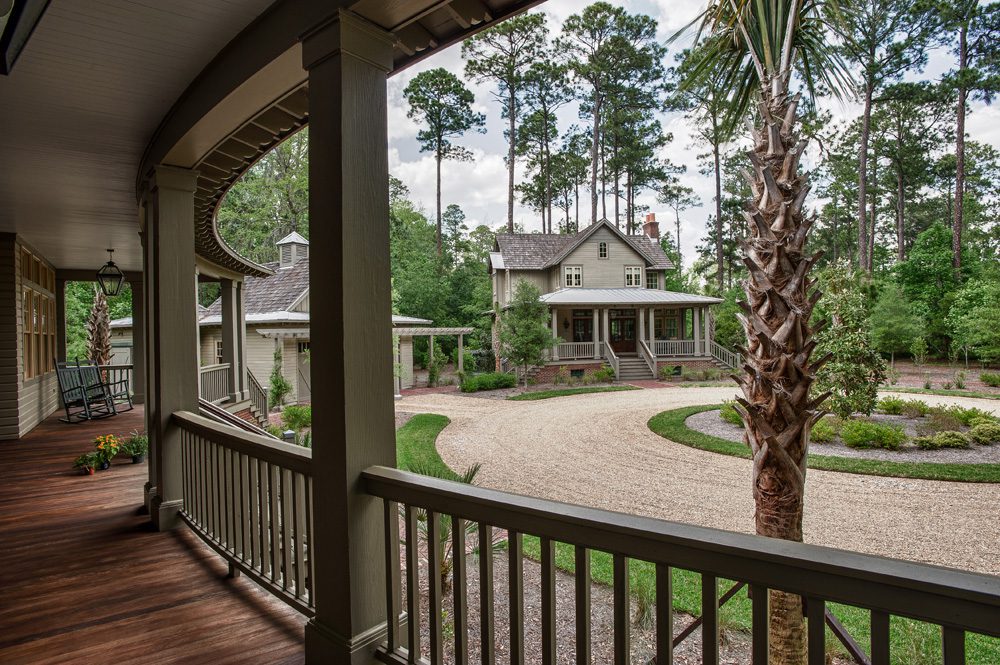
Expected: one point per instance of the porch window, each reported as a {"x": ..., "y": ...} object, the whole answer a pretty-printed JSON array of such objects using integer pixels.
[
  {"x": 38, "y": 316},
  {"x": 583, "y": 325},
  {"x": 218, "y": 351},
  {"x": 671, "y": 325},
  {"x": 633, "y": 276},
  {"x": 602, "y": 250},
  {"x": 652, "y": 280},
  {"x": 572, "y": 276}
]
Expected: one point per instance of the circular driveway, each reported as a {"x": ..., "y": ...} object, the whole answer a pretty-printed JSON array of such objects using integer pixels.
[{"x": 596, "y": 450}]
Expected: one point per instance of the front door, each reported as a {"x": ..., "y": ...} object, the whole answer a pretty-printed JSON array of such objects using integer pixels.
[{"x": 623, "y": 328}]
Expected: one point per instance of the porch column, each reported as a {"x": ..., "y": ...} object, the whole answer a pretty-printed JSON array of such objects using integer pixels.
[
  {"x": 231, "y": 324},
  {"x": 347, "y": 59},
  {"x": 555, "y": 333},
  {"x": 652, "y": 329},
  {"x": 641, "y": 325},
  {"x": 607, "y": 327},
  {"x": 241, "y": 344},
  {"x": 61, "y": 320},
  {"x": 172, "y": 327},
  {"x": 138, "y": 383},
  {"x": 708, "y": 331},
  {"x": 696, "y": 331},
  {"x": 596, "y": 334}
]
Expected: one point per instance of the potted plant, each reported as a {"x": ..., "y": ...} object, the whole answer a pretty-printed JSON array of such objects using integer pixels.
[
  {"x": 107, "y": 447},
  {"x": 136, "y": 446},
  {"x": 86, "y": 463}
]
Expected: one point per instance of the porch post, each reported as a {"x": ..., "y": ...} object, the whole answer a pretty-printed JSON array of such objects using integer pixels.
[
  {"x": 231, "y": 336},
  {"x": 138, "y": 383},
  {"x": 461, "y": 351},
  {"x": 596, "y": 333},
  {"x": 708, "y": 331},
  {"x": 652, "y": 329},
  {"x": 641, "y": 325},
  {"x": 607, "y": 327},
  {"x": 347, "y": 59},
  {"x": 555, "y": 333},
  {"x": 173, "y": 339},
  {"x": 61, "y": 320},
  {"x": 696, "y": 331},
  {"x": 241, "y": 341}
]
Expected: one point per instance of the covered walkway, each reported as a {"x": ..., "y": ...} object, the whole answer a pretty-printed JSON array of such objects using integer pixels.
[{"x": 86, "y": 578}]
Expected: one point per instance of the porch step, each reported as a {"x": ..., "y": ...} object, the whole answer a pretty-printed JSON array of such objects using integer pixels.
[{"x": 633, "y": 369}]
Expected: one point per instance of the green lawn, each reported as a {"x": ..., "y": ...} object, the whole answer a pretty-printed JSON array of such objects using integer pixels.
[
  {"x": 912, "y": 642},
  {"x": 670, "y": 425},
  {"x": 563, "y": 392}
]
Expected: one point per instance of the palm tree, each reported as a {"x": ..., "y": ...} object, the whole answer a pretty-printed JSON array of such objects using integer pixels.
[{"x": 758, "y": 45}]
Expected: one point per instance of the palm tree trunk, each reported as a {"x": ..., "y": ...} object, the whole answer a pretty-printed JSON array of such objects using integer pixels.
[
  {"x": 776, "y": 408},
  {"x": 956, "y": 235}
]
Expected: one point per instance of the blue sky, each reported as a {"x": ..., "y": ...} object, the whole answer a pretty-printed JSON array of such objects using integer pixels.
[{"x": 480, "y": 187}]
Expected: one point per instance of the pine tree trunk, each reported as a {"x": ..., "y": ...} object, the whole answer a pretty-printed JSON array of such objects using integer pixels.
[
  {"x": 680, "y": 261},
  {"x": 439, "y": 202},
  {"x": 776, "y": 408},
  {"x": 900, "y": 203},
  {"x": 718, "y": 207},
  {"x": 511, "y": 156},
  {"x": 956, "y": 235},
  {"x": 593, "y": 159},
  {"x": 614, "y": 152},
  {"x": 871, "y": 234},
  {"x": 866, "y": 127}
]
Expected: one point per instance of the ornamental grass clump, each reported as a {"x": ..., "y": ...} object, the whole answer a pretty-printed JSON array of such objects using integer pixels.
[
  {"x": 985, "y": 434},
  {"x": 869, "y": 434},
  {"x": 914, "y": 408},
  {"x": 939, "y": 420},
  {"x": 942, "y": 440},
  {"x": 891, "y": 406},
  {"x": 729, "y": 414}
]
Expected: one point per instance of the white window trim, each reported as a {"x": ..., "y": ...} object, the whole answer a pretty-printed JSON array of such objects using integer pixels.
[
  {"x": 632, "y": 269},
  {"x": 577, "y": 270},
  {"x": 607, "y": 251},
  {"x": 650, "y": 274}
]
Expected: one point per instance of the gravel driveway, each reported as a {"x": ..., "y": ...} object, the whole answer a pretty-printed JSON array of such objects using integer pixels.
[{"x": 596, "y": 450}]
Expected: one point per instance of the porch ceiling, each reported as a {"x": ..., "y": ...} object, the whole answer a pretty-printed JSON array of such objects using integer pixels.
[{"x": 105, "y": 90}]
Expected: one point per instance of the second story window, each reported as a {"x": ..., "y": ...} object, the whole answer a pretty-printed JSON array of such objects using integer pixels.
[
  {"x": 652, "y": 280},
  {"x": 602, "y": 250},
  {"x": 633, "y": 276},
  {"x": 572, "y": 276}
]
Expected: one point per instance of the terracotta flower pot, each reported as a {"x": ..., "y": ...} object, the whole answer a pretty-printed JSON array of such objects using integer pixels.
[{"x": 87, "y": 470}]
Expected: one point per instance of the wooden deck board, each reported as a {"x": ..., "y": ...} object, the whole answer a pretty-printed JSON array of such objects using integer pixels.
[{"x": 85, "y": 579}]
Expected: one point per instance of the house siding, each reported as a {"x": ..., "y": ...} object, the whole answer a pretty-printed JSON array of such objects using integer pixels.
[
  {"x": 260, "y": 356},
  {"x": 604, "y": 273},
  {"x": 406, "y": 361},
  {"x": 209, "y": 337}
]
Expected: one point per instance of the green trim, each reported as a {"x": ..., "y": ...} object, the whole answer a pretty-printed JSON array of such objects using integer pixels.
[
  {"x": 943, "y": 393},
  {"x": 563, "y": 392},
  {"x": 670, "y": 425}
]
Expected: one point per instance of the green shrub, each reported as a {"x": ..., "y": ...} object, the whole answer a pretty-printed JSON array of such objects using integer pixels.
[
  {"x": 966, "y": 416},
  {"x": 670, "y": 372},
  {"x": 604, "y": 375},
  {"x": 960, "y": 380},
  {"x": 892, "y": 406},
  {"x": 927, "y": 382},
  {"x": 825, "y": 430},
  {"x": 729, "y": 414},
  {"x": 939, "y": 420},
  {"x": 914, "y": 408},
  {"x": 278, "y": 385},
  {"x": 297, "y": 417},
  {"x": 488, "y": 381},
  {"x": 951, "y": 440},
  {"x": 925, "y": 442},
  {"x": 274, "y": 431},
  {"x": 561, "y": 375},
  {"x": 985, "y": 434},
  {"x": 990, "y": 379},
  {"x": 869, "y": 434}
]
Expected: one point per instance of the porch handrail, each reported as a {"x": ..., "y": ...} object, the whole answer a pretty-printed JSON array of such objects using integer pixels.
[
  {"x": 956, "y": 600},
  {"x": 214, "y": 380},
  {"x": 249, "y": 497},
  {"x": 611, "y": 357},
  {"x": 673, "y": 347},
  {"x": 575, "y": 350},
  {"x": 647, "y": 355},
  {"x": 258, "y": 397},
  {"x": 725, "y": 356}
]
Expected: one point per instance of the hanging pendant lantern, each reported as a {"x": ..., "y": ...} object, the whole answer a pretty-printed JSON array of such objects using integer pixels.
[{"x": 110, "y": 277}]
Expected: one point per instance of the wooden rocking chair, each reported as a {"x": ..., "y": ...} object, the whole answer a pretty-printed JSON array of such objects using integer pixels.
[{"x": 84, "y": 395}]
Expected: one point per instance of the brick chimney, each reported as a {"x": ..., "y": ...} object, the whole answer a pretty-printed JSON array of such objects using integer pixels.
[{"x": 651, "y": 227}]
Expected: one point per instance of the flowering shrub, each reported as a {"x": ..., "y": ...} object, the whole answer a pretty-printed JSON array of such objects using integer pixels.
[{"x": 107, "y": 447}]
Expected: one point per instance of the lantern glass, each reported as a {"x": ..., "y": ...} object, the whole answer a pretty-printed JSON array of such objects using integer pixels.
[{"x": 110, "y": 279}]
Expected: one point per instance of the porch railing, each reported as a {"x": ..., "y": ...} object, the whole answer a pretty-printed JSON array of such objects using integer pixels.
[
  {"x": 647, "y": 355},
  {"x": 957, "y": 601},
  {"x": 119, "y": 375},
  {"x": 250, "y": 498},
  {"x": 725, "y": 356},
  {"x": 575, "y": 350},
  {"x": 673, "y": 347},
  {"x": 611, "y": 357},
  {"x": 215, "y": 382},
  {"x": 258, "y": 398}
]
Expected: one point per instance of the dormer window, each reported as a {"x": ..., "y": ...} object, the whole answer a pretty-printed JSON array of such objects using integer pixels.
[
  {"x": 572, "y": 276},
  {"x": 633, "y": 276},
  {"x": 602, "y": 250}
]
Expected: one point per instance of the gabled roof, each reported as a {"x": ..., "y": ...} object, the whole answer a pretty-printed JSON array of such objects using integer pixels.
[
  {"x": 292, "y": 237},
  {"x": 538, "y": 251},
  {"x": 400, "y": 320},
  {"x": 276, "y": 293}
]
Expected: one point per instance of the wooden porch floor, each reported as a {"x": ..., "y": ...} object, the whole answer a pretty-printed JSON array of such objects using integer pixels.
[{"x": 85, "y": 579}]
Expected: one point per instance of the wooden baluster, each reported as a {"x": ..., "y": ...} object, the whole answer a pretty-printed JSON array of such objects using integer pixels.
[
  {"x": 220, "y": 498},
  {"x": 390, "y": 513},
  {"x": 309, "y": 540},
  {"x": 880, "y": 638},
  {"x": 515, "y": 565},
  {"x": 759, "y": 623},
  {"x": 288, "y": 575},
  {"x": 664, "y": 615},
  {"x": 262, "y": 498},
  {"x": 244, "y": 509},
  {"x": 953, "y": 645},
  {"x": 274, "y": 520},
  {"x": 412, "y": 586},
  {"x": 622, "y": 615},
  {"x": 299, "y": 505},
  {"x": 548, "y": 601},
  {"x": 227, "y": 498},
  {"x": 486, "y": 635},
  {"x": 710, "y": 619},
  {"x": 458, "y": 583},
  {"x": 816, "y": 612},
  {"x": 253, "y": 496},
  {"x": 582, "y": 583},
  {"x": 434, "y": 586}
]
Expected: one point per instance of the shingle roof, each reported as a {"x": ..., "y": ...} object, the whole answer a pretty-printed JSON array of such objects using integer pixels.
[
  {"x": 535, "y": 251},
  {"x": 276, "y": 293}
]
